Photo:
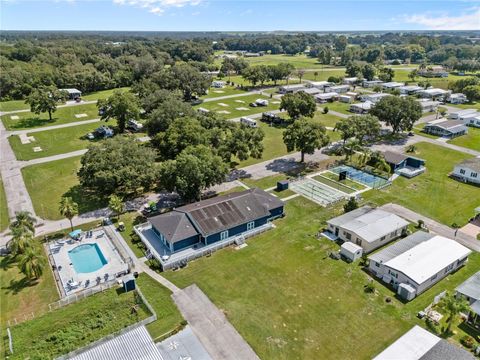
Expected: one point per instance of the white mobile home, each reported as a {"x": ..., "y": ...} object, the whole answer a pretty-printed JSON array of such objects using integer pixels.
[
  {"x": 312, "y": 91},
  {"x": 324, "y": 97},
  {"x": 468, "y": 171},
  {"x": 72, "y": 93},
  {"x": 247, "y": 121},
  {"x": 339, "y": 89},
  {"x": 409, "y": 89},
  {"x": 218, "y": 84},
  {"x": 434, "y": 94},
  {"x": 318, "y": 84},
  {"x": 361, "y": 108},
  {"x": 351, "y": 80},
  {"x": 290, "y": 89},
  {"x": 457, "y": 98},
  {"x": 372, "y": 83},
  {"x": 416, "y": 263},
  {"x": 392, "y": 85},
  {"x": 446, "y": 128},
  {"x": 428, "y": 105},
  {"x": 470, "y": 291},
  {"x": 373, "y": 98},
  {"x": 460, "y": 114},
  {"x": 368, "y": 227}
]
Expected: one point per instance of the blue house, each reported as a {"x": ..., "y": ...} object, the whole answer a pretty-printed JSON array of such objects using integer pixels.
[
  {"x": 216, "y": 219},
  {"x": 404, "y": 165}
]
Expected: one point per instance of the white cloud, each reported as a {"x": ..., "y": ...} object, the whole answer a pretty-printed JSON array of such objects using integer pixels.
[
  {"x": 157, "y": 7},
  {"x": 443, "y": 21}
]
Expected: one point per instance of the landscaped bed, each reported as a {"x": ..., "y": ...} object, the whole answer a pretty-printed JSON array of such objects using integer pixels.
[
  {"x": 76, "y": 325},
  {"x": 289, "y": 300}
]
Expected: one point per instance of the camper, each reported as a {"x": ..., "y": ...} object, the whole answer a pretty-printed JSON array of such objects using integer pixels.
[
  {"x": 261, "y": 102},
  {"x": 134, "y": 125},
  {"x": 249, "y": 122}
]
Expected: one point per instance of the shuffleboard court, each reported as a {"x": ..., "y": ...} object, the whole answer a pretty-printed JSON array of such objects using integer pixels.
[{"x": 317, "y": 192}]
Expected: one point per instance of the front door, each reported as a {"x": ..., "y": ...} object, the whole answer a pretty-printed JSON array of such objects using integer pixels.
[{"x": 336, "y": 231}]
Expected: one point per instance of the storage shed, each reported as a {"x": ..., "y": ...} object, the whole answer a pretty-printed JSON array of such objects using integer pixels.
[{"x": 351, "y": 251}]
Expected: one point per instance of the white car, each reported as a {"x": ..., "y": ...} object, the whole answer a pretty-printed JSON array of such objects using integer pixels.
[
  {"x": 90, "y": 136},
  {"x": 261, "y": 102}
]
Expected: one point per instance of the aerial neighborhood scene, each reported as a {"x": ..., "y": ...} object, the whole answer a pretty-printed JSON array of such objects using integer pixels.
[{"x": 236, "y": 180}]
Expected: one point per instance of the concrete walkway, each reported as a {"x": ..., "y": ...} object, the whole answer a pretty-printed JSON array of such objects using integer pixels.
[
  {"x": 53, "y": 127},
  {"x": 253, "y": 92},
  {"x": 434, "y": 226},
  {"x": 46, "y": 159},
  {"x": 220, "y": 338}
]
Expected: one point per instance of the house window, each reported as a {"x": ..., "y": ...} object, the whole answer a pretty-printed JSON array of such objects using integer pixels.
[
  {"x": 473, "y": 174},
  {"x": 348, "y": 236},
  {"x": 395, "y": 275},
  {"x": 224, "y": 235},
  {"x": 462, "y": 171},
  {"x": 382, "y": 238},
  {"x": 433, "y": 277},
  {"x": 377, "y": 264},
  {"x": 393, "y": 234},
  {"x": 250, "y": 225}
]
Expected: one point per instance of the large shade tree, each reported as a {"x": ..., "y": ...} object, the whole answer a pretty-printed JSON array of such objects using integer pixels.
[
  {"x": 453, "y": 306},
  {"x": 397, "y": 112},
  {"x": 298, "y": 104},
  {"x": 122, "y": 106},
  {"x": 305, "y": 136},
  {"x": 45, "y": 99}
]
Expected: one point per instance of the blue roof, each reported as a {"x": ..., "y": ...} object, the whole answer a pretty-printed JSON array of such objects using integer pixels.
[{"x": 75, "y": 233}]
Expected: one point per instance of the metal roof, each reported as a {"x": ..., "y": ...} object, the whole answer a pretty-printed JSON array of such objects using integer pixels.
[
  {"x": 473, "y": 164},
  {"x": 471, "y": 287},
  {"x": 135, "y": 344},
  {"x": 400, "y": 247},
  {"x": 349, "y": 216},
  {"x": 428, "y": 258},
  {"x": 351, "y": 247}
]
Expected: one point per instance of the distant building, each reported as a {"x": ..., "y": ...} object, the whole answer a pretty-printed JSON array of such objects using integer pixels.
[
  {"x": 218, "y": 84},
  {"x": 446, "y": 128},
  {"x": 461, "y": 114},
  {"x": 318, "y": 84},
  {"x": 72, "y": 93},
  {"x": 351, "y": 80},
  {"x": 312, "y": 91},
  {"x": 392, "y": 85},
  {"x": 373, "y": 98},
  {"x": 434, "y": 94},
  {"x": 325, "y": 97},
  {"x": 372, "y": 83},
  {"x": 428, "y": 105},
  {"x": 339, "y": 89},
  {"x": 409, "y": 89},
  {"x": 289, "y": 89},
  {"x": 420, "y": 344},
  {"x": 433, "y": 71},
  {"x": 368, "y": 227},
  {"x": 457, "y": 98},
  {"x": 468, "y": 171},
  {"x": 417, "y": 262},
  {"x": 361, "y": 108}
]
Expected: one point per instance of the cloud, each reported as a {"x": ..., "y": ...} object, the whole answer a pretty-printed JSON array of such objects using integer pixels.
[
  {"x": 158, "y": 7},
  {"x": 443, "y": 21}
]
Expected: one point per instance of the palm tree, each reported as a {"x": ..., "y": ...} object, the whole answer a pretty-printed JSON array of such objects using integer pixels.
[
  {"x": 453, "y": 306},
  {"x": 24, "y": 222},
  {"x": 315, "y": 74},
  {"x": 32, "y": 264},
  {"x": 69, "y": 209},
  {"x": 116, "y": 205},
  {"x": 350, "y": 147},
  {"x": 20, "y": 242}
]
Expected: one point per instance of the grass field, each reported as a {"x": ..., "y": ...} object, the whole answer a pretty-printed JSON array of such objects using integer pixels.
[
  {"x": 76, "y": 325},
  {"x": 289, "y": 300},
  {"x": 442, "y": 83},
  {"x": 474, "y": 105},
  {"x": 227, "y": 90},
  {"x": 64, "y": 115},
  {"x": 322, "y": 75},
  {"x": 470, "y": 140},
  {"x": 234, "y": 103},
  {"x": 158, "y": 296},
  {"x": 53, "y": 142},
  {"x": 4, "y": 219},
  {"x": 21, "y": 297},
  {"x": 130, "y": 219},
  {"x": 433, "y": 193},
  {"x": 327, "y": 120},
  {"x": 47, "y": 183},
  {"x": 299, "y": 61},
  {"x": 339, "y": 107},
  {"x": 102, "y": 94}
]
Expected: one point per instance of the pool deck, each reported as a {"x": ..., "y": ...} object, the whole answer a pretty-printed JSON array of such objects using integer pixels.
[{"x": 60, "y": 259}]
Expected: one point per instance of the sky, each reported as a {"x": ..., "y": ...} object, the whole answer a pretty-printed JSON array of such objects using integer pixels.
[{"x": 239, "y": 15}]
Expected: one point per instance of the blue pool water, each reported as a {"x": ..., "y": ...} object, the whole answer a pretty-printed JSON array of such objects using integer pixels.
[
  {"x": 362, "y": 177},
  {"x": 87, "y": 258}
]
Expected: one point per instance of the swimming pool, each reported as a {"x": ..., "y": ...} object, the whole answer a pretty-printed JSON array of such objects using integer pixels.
[{"x": 87, "y": 258}]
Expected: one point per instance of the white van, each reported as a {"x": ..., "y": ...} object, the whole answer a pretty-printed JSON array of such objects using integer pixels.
[
  {"x": 249, "y": 122},
  {"x": 261, "y": 102}
]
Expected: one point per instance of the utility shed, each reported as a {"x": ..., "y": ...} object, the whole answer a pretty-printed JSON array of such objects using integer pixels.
[
  {"x": 350, "y": 251},
  {"x": 135, "y": 344}
]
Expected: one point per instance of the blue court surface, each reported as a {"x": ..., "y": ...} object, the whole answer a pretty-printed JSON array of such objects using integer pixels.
[{"x": 360, "y": 176}]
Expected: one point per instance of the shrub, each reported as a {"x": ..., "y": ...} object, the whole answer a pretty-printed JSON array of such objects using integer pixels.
[
  {"x": 421, "y": 223},
  {"x": 468, "y": 341},
  {"x": 369, "y": 288},
  {"x": 325, "y": 110}
]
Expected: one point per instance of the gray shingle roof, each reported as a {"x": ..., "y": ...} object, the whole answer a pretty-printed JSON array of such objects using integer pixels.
[
  {"x": 443, "y": 350},
  {"x": 473, "y": 164},
  {"x": 175, "y": 226},
  {"x": 471, "y": 287},
  {"x": 400, "y": 247},
  {"x": 394, "y": 157}
]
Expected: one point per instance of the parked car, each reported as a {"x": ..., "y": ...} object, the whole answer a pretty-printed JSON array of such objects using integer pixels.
[
  {"x": 103, "y": 132},
  {"x": 253, "y": 104},
  {"x": 90, "y": 136},
  {"x": 261, "y": 102},
  {"x": 271, "y": 118},
  {"x": 134, "y": 125}
]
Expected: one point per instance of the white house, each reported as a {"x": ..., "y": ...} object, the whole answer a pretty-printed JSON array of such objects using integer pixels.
[
  {"x": 473, "y": 120},
  {"x": 409, "y": 89},
  {"x": 289, "y": 89},
  {"x": 374, "y": 98},
  {"x": 457, "y": 98},
  {"x": 372, "y": 83},
  {"x": 339, "y": 89},
  {"x": 445, "y": 128},
  {"x": 361, "y": 108},
  {"x": 368, "y": 227},
  {"x": 428, "y": 105},
  {"x": 433, "y": 71},
  {"x": 218, "y": 84},
  {"x": 318, "y": 84},
  {"x": 351, "y": 80},
  {"x": 324, "y": 97},
  {"x": 460, "y": 114},
  {"x": 392, "y": 85},
  {"x": 312, "y": 91},
  {"x": 433, "y": 93},
  {"x": 468, "y": 171},
  {"x": 416, "y": 263},
  {"x": 420, "y": 344},
  {"x": 72, "y": 93},
  {"x": 351, "y": 251}
]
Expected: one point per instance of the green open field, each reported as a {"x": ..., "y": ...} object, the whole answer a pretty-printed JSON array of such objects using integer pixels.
[
  {"x": 234, "y": 103},
  {"x": 76, "y": 325},
  {"x": 299, "y": 61},
  {"x": 442, "y": 83},
  {"x": 53, "y": 142},
  {"x": 289, "y": 300},
  {"x": 472, "y": 105},
  {"x": 327, "y": 120},
  {"x": 130, "y": 219},
  {"x": 470, "y": 140},
  {"x": 334, "y": 184},
  {"x": 47, "y": 183},
  {"x": 433, "y": 193},
  {"x": 63, "y": 115},
  {"x": 227, "y": 90},
  {"x": 4, "y": 219},
  {"x": 103, "y": 94},
  {"x": 322, "y": 74},
  {"x": 158, "y": 296},
  {"x": 338, "y": 107}
]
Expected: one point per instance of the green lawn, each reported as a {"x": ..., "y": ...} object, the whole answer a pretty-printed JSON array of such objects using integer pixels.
[
  {"x": 76, "y": 325},
  {"x": 402, "y": 76},
  {"x": 327, "y": 120},
  {"x": 474, "y": 105},
  {"x": 130, "y": 219},
  {"x": 266, "y": 182},
  {"x": 103, "y": 94},
  {"x": 334, "y": 184},
  {"x": 47, "y": 183},
  {"x": 4, "y": 218},
  {"x": 53, "y": 142},
  {"x": 299, "y": 61},
  {"x": 339, "y": 107},
  {"x": 233, "y": 104},
  {"x": 227, "y": 90},
  {"x": 13, "y": 105},
  {"x": 322, "y": 75},
  {"x": 471, "y": 140},
  {"x": 289, "y": 300},
  {"x": 159, "y": 297},
  {"x": 64, "y": 115},
  {"x": 21, "y": 297},
  {"x": 433, "y": 193}
]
